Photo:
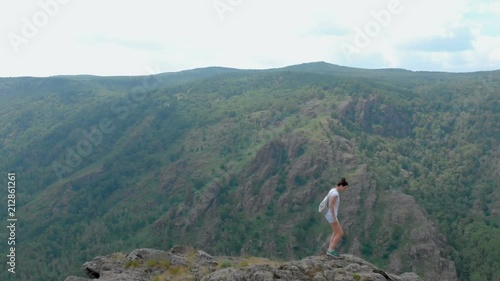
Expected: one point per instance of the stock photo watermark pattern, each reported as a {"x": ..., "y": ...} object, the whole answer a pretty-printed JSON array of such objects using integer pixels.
[
  {"x": 11, "y": 222},
  {"x": 364, "y": 36},
  {"x": 223, "y": 7},
  {"x": 31, "y": 26}
]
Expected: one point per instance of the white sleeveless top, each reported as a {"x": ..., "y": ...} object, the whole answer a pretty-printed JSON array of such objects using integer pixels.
[{"x": 333, "y": 192}]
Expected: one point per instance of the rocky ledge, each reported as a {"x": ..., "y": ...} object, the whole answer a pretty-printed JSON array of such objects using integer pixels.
[{"x": 186, "y": 263}]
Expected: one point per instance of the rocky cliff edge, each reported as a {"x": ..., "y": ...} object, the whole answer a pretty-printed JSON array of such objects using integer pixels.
[{"x": 186, "y": 263}]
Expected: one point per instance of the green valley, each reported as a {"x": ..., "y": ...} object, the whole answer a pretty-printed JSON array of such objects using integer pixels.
[{"x": 235, "y": 162}]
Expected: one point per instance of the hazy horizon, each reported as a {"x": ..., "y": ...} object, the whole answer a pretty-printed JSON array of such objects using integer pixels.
[{"x": 218, "y": 66}]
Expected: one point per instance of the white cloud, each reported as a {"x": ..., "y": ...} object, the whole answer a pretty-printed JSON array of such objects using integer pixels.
[{"x": 125, "y": 37}]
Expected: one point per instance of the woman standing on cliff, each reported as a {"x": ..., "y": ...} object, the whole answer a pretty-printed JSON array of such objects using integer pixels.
[{"x": 331, "y": 217}]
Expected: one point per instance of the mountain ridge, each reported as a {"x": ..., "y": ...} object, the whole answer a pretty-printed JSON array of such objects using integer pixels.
[
  {"x": 236, "y": 162},
  {"x": 317, "y": 66}
]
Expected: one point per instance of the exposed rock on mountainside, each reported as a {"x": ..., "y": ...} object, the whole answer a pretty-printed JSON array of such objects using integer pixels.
[
  {"x": 396, "y": 227},
  {"x": 427, "y": 244},
  {"x": 185, "y": 263},
  {"x": 374, "y": 114},
  {"x": 394, "y": 220}
]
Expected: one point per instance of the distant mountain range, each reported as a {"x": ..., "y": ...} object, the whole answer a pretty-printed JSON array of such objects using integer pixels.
[{"x": 236, "y": 161}]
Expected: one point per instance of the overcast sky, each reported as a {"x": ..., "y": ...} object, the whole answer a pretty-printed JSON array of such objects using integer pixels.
[{"x": 111, "y": 37}]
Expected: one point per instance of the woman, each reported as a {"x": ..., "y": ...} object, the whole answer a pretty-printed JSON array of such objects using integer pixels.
[{"x": 331, "y": 217}]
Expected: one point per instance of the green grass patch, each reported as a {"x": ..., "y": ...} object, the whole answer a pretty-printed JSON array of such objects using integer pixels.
[{"x": 132, "y": 264}]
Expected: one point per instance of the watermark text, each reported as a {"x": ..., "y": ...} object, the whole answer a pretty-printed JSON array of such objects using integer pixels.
[
  {"x": 11, "y": 221},
  {"x": 30, "y": 27}
]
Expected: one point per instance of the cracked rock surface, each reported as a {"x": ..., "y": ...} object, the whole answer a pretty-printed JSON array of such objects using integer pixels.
[{"x": 186, "y": 263}]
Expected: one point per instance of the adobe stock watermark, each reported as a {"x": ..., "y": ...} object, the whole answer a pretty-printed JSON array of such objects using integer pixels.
[
  {"x": 222, "y": 7},
  {"x": 48, "y": 9},
  {"x": 94, "y": 137},
  {"x": 365, "y": 35}
]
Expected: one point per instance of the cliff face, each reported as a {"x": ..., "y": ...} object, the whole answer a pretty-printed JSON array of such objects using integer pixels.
[
  {"x": 185, "y": 263},
  {"x": 395, "y": 226},
  {"x": 379, "y": 222},
  {"x": 374, "y": 114}
]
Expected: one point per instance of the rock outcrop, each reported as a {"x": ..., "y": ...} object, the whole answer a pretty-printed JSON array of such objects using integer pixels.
[
  {"x": 186, "y": 263},
  {"x": 376, "y": 115},
  {"x": 398, "y": 226}
]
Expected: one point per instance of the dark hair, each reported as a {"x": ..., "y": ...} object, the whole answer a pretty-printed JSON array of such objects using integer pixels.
[{"x": 342, "y": 182}]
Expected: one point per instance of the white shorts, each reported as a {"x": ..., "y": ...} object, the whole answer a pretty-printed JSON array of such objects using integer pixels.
[{"x": 329, "y": 217}]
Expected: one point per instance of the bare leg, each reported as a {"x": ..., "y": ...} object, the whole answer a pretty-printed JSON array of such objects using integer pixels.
[
  {"x": 336, "y": 236},
  {"x": 331, "y": 246}
]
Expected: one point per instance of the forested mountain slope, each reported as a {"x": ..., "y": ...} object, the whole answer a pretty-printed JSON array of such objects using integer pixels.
[{"x": 236, "y": 162}]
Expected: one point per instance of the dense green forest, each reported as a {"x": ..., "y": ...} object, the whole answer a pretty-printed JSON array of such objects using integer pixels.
[{"x": 107, "y": 164}]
